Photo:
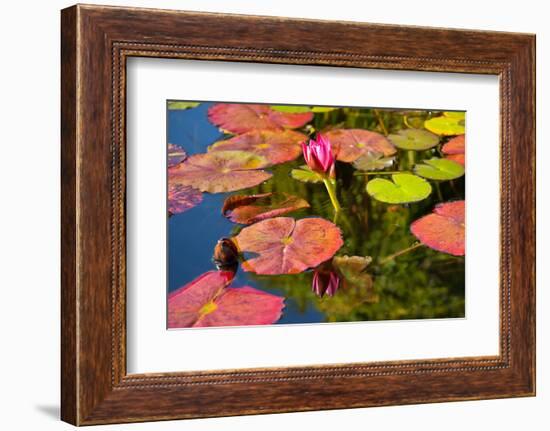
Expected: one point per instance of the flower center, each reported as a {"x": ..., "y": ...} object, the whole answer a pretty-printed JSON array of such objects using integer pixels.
[{"x": 262, "y": 146}]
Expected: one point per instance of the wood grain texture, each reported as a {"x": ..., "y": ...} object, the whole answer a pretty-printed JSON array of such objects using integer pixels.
[{"x": 96, "y": 41}]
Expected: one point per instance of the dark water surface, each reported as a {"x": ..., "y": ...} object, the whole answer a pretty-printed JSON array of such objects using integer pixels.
[{"x": 420, "y": 284}]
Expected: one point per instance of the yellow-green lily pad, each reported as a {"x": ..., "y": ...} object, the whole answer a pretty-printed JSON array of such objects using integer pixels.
[
  {"x": 446, "y": 126},
  {"x": 174, "y": 105},
  {"x": 403, "y": 188},
  {"x": 306, "y": 175},
  {"x": 439, "y": 169},
  {"x": 293, "y": 109}
]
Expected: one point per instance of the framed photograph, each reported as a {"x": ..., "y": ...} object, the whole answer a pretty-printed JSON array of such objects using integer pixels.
[{"x": 251, "y": 205}]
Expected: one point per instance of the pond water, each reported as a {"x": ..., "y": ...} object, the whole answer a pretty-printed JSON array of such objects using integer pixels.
[{"x": 421, "y": 283}]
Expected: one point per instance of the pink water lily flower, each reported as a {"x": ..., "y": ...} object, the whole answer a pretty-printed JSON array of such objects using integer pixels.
[
  {"x": 318, "y": 155},
  {"x": 325, "y": 282}
]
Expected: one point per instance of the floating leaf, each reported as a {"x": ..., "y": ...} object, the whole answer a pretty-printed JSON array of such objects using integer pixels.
[
  {"x": 182, "y": 198},
  {"x": 176, "y": 155},
  {"x": 439, "y": 169},
  {"x": 414, "y": 139},
  {"x": 241, "y": 118},
  {"x": 352, "y": 270},
  {"x": 444, "y": 229},
  {"x": 306, "y": 175},
  {"x": 446, "y": 126},
  {"x": 350, "y": 144},
  {"x": 320, "y": 109},
  {"x": 275, "y": 146},
  {"x": 207, "y": 301},
  {"x": 220, "y": 171},
  {"x": 173, "y": 105},
  {"x": 287, "y": 246},
  {"x": 372, "y": 161},
  {"x": 461, "y": 115},
  {"x": 253, "y": 208},
  {"x": 291, "y": 108},
  {"x": 455, "y": 149},
  {"x": 403, "y": 189}
]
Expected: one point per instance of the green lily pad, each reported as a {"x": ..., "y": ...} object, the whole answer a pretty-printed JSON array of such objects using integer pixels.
[
  {"x": 414, "y": 139},
  {"x": 306, "y": 175},
  {"x": 439, "y": 169},
  {"x": 373, "y": 161},
  {"x": 182, "y": 105},
  {"x": 404, "y": 188},
  {"x": 291, "y": 109},
  {"x": 445, "y": 126}
]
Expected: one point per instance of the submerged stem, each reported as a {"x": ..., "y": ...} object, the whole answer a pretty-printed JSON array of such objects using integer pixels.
[
  {"x": 331, "y": 189},
  {"x": 400, "y": 252},
  {"x": 381, "y": 122}
]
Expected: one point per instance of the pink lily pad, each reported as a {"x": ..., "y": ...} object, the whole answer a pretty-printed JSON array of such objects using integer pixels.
[
  {"x": 220, "y": 171},
  {"x": 182, "y": 198},
  {"x": 275, "y": 146},
  {"x": 176, "y": 155},
  {"x": 207, "y": 301},
  {"x": 444, "y": 229},
  {"x": 350, "y": 144},
  {"x": 253, "y": 208},
  {"x": 455, "y": 149},
  {"x": 287, "y": 246},
  {"x": 241, "y": 118}
]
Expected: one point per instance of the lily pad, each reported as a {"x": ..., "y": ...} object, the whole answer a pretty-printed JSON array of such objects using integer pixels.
[
  {"x": 350, "y": 144},
  {"x": 403, "y": 189},
  {"x": 176, "y": 155},
  {"x": 455, "y": 149},
  {"x": 291, "y": 108},
  {"x": 275, "y": 146},
  {"x": 445, "y": 126},
  {"x": 220, "y": 171},
  {"x": 306, "y": 175},
  {"x": 241, "y": 118},
  {"x": 461, "y": 115},
  {"x": 320, "y": 109},
  {"x": 372, "y": 161},
  {"x": 439, "y": 169},
  {"x": 414, "y": 139},
  {"x": 173, "y": 105},
  {"x": 207, "y": 302},
  {"x": 287, "y": 246},
  {"x": 182, "y": 198},
  {"x": 253, "y": 208},
  {"x": 444, "y": 229}
]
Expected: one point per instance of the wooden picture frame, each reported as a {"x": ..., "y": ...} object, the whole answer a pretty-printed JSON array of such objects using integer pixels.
[{"x": 95, "y": 43}]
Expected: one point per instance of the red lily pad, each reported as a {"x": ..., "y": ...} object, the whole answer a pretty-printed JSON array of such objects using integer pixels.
[
  {"x": 220, "y": 171},
  {"x": 444, "y": 229},
  {"x": 241, "y": 118},
  {"x": 350, "y": 144},
  {"x": 182, "y": 198},
  {"x": 176, "y": 155},
  {"x": 455, "y": 149},
  {"x": 253, "y": 208},
  {"x": 287, "y": 246},
  {"x": 275, "y": 146},
  {"x": 207, "y": 301}
]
